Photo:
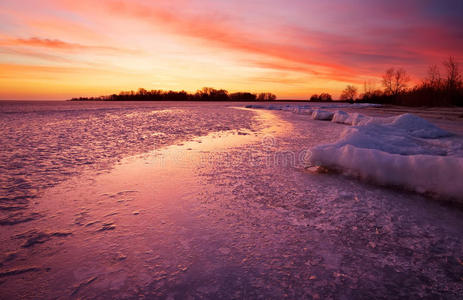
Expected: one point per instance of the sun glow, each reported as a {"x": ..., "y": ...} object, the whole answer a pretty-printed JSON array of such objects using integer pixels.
[{"x": 62, "y": 49}]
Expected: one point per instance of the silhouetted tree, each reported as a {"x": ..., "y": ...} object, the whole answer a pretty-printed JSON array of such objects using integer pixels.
[
  {"x": 395, "y": 81},
  {"x": 142, "y": 92},
  {"x": 314, "y": 98},
  {"x": 454, "y": 81},
  {"x": 211, "y": 94},
  {"x": 454, "y": 78},
  {"x": 350, "y": 93},
  {"x": 369, "y": 86},
  {"x": 266, "y": 97},
  {"x": 240, "y": 96},
  {"x": 325, "y": 97},
  {"x": 434, "y": 79}
]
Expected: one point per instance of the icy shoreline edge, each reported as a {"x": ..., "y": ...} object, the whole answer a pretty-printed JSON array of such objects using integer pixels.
[{"x": 404, "y": 151}]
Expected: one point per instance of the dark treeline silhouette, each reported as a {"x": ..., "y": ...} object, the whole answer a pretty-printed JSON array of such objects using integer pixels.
[
  {"x": 434, "y": 90},
  {"x": 323, "y": 97},
  {"x": 205, "y": 94}
]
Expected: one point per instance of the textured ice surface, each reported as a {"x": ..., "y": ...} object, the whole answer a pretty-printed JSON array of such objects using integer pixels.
[
  {"x": 47, "y": 142},
  {"x": 405, "y": 151},
  {"x": 315, "y": 110},
  {"x": 232, "y": 216},
  {"x": 401, "y": 150}
]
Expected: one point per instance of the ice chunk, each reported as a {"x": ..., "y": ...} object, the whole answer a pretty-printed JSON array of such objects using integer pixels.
[
  {"x": 322, "y": 115},
  {"x": 414, "y": 125},
  {"x": 340, "y": 117},
  {"x": 357, "y": 119},
  {"x": 402, "y": 151},
  {"x": 418, "y": 127},
  {"x": 421, "y": 173},
  {"x": 350, "y": 118}
]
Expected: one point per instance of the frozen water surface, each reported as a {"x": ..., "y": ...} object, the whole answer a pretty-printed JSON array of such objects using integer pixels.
[
  {"x": 46, "y": 143},
  {"x": 221, "y": 212}
]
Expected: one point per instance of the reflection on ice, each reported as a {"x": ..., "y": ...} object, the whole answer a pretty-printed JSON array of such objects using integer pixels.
[
  {"x": 220, "y": 215},
  {"x": 47, "y": 143}
]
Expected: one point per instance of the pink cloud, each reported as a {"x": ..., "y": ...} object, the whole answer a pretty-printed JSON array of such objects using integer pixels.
[
  {"x": 57, "y": 44},
  {"x": 293, "y": 40}
]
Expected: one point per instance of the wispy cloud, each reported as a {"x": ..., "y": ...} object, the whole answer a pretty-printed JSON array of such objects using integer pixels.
[
  {"x": 56, "y": 44},
  {"x": 299, "y": 44}
]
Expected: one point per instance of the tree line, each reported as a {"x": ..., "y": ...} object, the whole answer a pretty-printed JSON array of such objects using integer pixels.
[
  {"x": 438, "y": 88},
  {"x": 205, "y": 94}
]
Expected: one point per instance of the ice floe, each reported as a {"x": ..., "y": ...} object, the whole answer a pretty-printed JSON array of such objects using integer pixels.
[
  {"x": 324, "y": 115},
  {"x": 405, "y": 151}
]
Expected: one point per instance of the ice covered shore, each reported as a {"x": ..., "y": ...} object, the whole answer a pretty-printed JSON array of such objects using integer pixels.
[{"x": 405, "y": 151}]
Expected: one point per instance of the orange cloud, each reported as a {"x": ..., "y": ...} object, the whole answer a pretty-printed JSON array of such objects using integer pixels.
[
  {"x": 219, "y": 30},
  {"x": 296, "y": 48},
  {"x": 61, "y": 45}
]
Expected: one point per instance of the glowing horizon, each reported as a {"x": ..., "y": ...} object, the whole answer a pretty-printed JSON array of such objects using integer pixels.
[{"x": 59, "y": 49}]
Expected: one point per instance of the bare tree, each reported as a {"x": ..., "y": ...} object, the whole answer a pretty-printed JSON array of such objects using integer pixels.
[
  {"x": 369, "y": 86},
  {"x": 454, "y": 78},
  {"x": 349, "y": 93},
  {"x": 266, "y": 97},
  {"x": 434, "y": 79},
  {"x": 395, "y": 81}
]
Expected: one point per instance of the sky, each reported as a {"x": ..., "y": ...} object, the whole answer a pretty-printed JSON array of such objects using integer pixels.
[{"x": 58, "y": 49}]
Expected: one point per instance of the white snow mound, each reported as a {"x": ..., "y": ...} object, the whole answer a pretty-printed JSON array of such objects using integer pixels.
[
  {"x": 340, "y": 117},
  {"x": 405, "y": 151},
  {"x": 418, "y": 127},
  {"x": 322, "y": 115},
  {"x": 350, "y": 119}
]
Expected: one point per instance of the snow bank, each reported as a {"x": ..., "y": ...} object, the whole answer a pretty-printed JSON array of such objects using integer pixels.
[
  {"x": 322, "y": 115},
  {"x": 303, "y": 109},
  {"x": 358, "y": 119},
  {"x": 405, "y": 151},
  {"x": 412, "y": 124},
  {"x": 418, "y": 127},
  {"x": 340, "y": 117},
  {"x": 421, "y": 173},
  {"x": 350, "y": 119}
]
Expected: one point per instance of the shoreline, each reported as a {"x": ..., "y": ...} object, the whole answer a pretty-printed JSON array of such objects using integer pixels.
[
  {"x": 230, "y": 215},
  {"x": 301, "y": 101}
]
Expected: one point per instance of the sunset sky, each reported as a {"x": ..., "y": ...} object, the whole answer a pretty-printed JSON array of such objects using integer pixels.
[{"x": 57, "y": 49}]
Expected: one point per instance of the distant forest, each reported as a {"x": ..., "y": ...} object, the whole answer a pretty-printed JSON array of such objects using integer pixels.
[
  {"x": 205, "y": 94},
  {"x": 437, "y": 89}
]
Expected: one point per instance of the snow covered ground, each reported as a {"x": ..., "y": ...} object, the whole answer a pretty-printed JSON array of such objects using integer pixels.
[{"x": 405, "y": 151}]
